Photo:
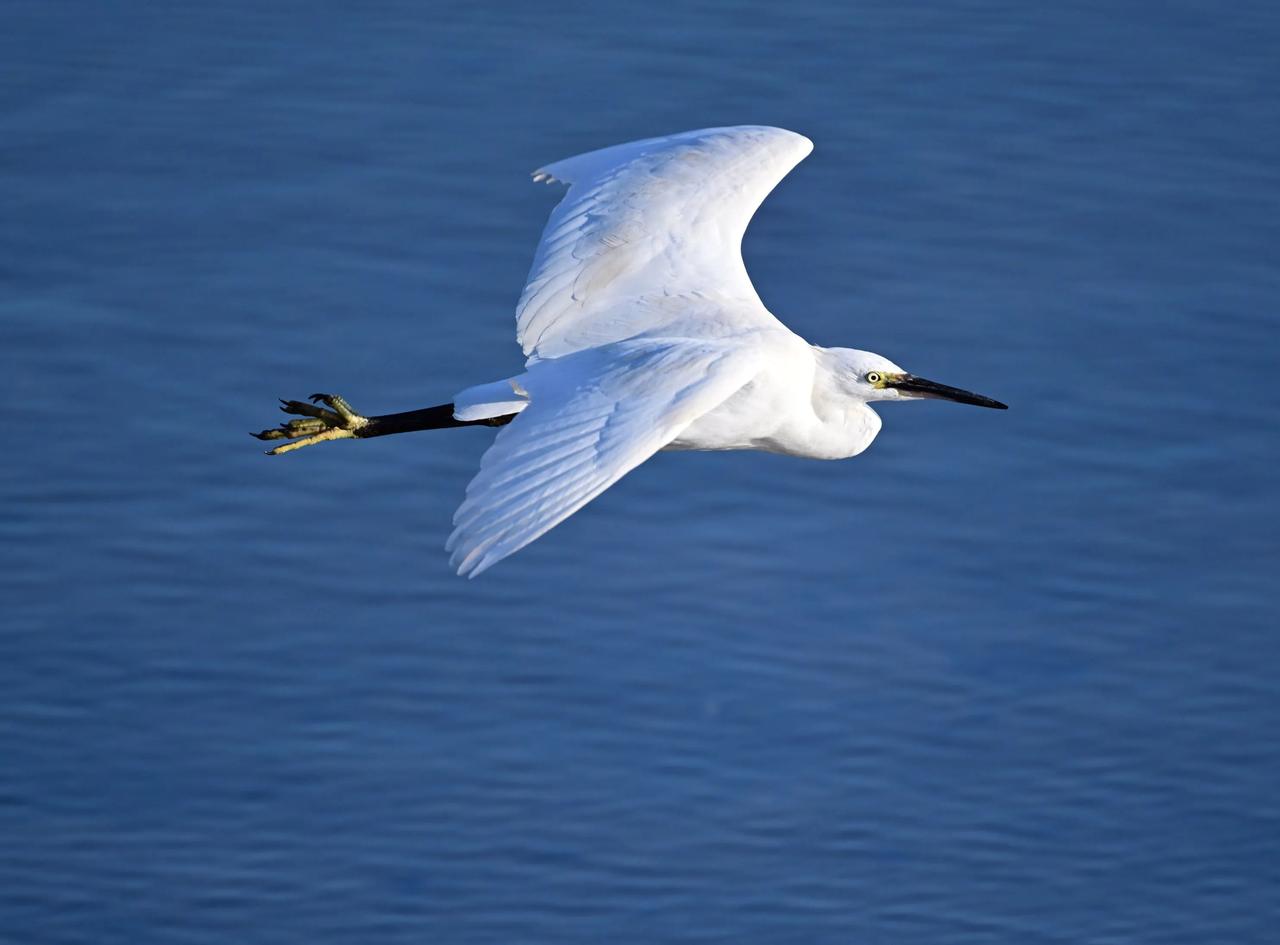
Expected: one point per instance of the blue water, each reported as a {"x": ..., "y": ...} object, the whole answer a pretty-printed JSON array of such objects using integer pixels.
[{"x": 1007, "y": 677}]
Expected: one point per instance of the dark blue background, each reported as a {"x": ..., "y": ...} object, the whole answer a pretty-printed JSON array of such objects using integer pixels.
[{"x": 1005, "y": 678}]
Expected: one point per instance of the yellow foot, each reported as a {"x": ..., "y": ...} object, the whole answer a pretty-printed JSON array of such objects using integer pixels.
[{"x": 334, "y": 421}]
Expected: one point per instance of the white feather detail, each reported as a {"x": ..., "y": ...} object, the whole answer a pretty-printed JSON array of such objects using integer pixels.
[
  {"x": 656, "y": 219},
  {"x": 496, "y": 399},
  {"x": 591, "y": 418}
]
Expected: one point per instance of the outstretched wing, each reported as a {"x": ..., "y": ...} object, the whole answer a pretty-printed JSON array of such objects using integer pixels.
[
  {"x": 652, "y": 222},
  {"x": 592, "y": 418}
]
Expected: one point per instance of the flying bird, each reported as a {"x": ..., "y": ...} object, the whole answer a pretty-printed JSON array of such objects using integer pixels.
[{"x": 642, "y": 332}]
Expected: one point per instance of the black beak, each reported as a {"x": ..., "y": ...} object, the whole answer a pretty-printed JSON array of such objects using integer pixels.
[{"x": 918, "y": 385}]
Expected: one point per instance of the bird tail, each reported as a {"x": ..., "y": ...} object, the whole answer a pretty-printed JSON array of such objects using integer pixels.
[{"x": 504, "y": 398}]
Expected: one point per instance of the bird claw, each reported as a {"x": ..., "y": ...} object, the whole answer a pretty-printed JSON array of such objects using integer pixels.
[
  {"x": 307, "y": 410},
  {"x": 337, "y": 405},
  {"x": 336, "y": 420}
]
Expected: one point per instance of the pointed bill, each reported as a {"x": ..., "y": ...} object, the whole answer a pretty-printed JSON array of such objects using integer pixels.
[{"x": 920, "y": 387}]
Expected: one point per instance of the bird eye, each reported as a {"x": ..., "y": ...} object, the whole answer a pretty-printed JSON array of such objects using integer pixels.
[{"x": 873, "y": 377}]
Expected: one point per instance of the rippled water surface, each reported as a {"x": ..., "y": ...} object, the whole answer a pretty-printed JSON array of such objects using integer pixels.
[{"x": 1008, "y": 677}]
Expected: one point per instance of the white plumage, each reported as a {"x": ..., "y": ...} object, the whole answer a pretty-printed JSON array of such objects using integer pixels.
[
  {"x": 591, "y": 420},
  {"x": 649, "y": 222},
  {"x": 643, "y": 332}
]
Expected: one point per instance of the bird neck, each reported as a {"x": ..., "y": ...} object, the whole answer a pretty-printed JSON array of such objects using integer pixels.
[{"x": 846, "y": 425}]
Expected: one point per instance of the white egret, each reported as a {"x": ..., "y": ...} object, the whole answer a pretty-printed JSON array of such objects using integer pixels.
[{"x": 642, "y": 332}]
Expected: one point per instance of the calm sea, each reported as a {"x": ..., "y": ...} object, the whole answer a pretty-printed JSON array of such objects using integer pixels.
[{"x": 1006, "y": 678}]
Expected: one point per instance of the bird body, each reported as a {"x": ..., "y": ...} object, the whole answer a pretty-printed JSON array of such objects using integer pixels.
[
  {"x": 642, "y": 332},
  {"x": 791, "y": 406},
  {"x": 791, "y": 403}
]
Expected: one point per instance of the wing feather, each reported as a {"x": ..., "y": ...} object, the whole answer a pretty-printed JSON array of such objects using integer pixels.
[
  {"x": 659, "y": 219},
  {"x": 592, "y": 418}
]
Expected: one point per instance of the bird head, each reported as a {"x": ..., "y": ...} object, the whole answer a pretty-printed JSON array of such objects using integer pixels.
[{"x": 868, "y": 376}]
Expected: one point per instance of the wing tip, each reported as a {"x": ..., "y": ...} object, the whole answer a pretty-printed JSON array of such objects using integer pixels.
[
  {"x": 464, "y": 561},
  {"x": 804, "y": 144},
  {"x": 566, "y": 170},
  {"x": 470, "y": 556},
  {"x": 474, "y": 563}
]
